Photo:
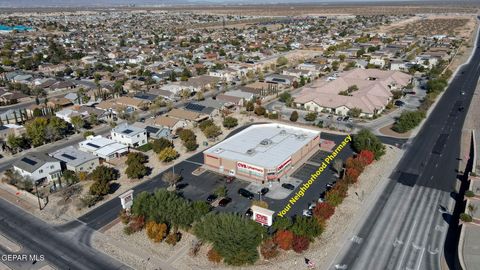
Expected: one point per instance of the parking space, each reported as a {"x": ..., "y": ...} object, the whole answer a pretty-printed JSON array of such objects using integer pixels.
[{"x": 304, "y": 172}]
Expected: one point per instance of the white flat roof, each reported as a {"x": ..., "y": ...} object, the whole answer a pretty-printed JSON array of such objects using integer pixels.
[
  {"x": 264, "y": 145},
  {"x": 112, "y": 149}
]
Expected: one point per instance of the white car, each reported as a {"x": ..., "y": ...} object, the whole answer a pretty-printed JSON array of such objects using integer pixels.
[{"x": 307, "y": 213}]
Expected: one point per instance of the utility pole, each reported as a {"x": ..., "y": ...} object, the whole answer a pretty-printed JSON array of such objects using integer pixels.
[{"x": 38, "y": 197}]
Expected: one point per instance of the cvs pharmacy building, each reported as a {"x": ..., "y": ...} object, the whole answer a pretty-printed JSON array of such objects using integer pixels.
[{"x": 263, "y": 152}]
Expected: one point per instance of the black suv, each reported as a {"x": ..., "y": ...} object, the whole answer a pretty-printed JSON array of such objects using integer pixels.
[
  {"x": 245, "y": 193},
  {"x": 288, "y": 186},
  {"x": 223, "y": 202}
]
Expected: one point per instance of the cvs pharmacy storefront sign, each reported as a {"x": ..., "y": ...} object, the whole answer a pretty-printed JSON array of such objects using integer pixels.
[{"x": 250, "y": 170}]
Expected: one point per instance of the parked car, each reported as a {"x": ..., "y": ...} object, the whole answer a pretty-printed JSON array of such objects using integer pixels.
[
  {"x": 307, "y": 213},
  {"x": 346, "y": 118},
  {"x": 340, "y": 118},
  {"x": 223, "y": 202},
  {"x": 329, "y": 116},
  {"x": 399, "y": 103},
  {"x": 249, "y": 212},
  {"x": 264, "y": 191},
  {"x": 288, "y": 186},
  {"x": 312, "y": 206},
  {"x": 245, "y": 193},
  {"x": 211, "y": 198},
  {"x": 330, "y": 185},
  {"x": 322, "y": 196}
]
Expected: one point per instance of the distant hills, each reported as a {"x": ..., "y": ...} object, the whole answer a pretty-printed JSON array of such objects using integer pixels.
[{"x": 80, "y": 3}]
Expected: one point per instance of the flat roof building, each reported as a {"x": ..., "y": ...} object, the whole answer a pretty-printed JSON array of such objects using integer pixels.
[
  {"x": 103, "y": 147},
  {"x": 262, "y": 152}
]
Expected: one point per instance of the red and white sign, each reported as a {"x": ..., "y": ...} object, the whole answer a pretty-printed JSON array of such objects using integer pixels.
[
  {"x": 284, "y": 164},
  {"x": 261, "y": 219},
  {"x": 247, "y": 168},
  {"x": 262, "y": 215}
]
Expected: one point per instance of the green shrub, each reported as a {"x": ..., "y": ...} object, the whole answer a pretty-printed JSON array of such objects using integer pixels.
[
  {"x": 469, "y": 193},
  {"x": 408, "y": 121},
  {"x": 465, "y": 217}
]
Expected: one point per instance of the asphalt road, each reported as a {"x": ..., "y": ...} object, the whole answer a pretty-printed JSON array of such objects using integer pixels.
[
  {"x": 407, "y": 227},
  {"x": 54, "y": 243}
]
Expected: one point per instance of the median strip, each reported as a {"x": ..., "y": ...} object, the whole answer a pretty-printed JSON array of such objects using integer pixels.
[{"x": 300, "y": 193}]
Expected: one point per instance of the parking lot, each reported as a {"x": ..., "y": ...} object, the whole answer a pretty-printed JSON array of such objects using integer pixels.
[{"x": 199, "y": 187}]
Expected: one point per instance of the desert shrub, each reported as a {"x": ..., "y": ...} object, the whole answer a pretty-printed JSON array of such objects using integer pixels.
[
  {"x": 323, "y": 211},
  {"x": 269, "y": 249},
  {"x": 300, "y": 243},
  {"x": 214, "y": 256},
  {"x": 284, "y": 239},
  {"x": 465, "y": 217}
]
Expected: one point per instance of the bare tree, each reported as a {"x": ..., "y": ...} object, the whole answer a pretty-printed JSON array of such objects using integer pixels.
[
  {"x": 171, "y": 178},
  {"x": 338, "y": 166}
]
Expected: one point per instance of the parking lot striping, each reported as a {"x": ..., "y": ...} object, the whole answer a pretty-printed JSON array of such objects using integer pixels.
[{"x": 314, "y": 176}]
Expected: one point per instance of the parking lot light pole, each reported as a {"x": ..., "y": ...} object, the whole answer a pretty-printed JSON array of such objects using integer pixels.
[{"x": 38, "y": 197}]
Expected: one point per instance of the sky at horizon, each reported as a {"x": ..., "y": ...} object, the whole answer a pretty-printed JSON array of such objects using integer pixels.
[{"x": 77, "y": 3}]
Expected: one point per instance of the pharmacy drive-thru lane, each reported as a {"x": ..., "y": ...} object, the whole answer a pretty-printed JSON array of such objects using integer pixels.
[{"x": 407, "y": 226}]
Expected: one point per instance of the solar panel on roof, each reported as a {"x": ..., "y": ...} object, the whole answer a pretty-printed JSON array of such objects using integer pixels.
[
  {"x": 68, "y": 156},
  {"x": 194, "y": 107},
  {"x": 29, "y": 161},
  {"x": 127, "y": 131},
  {"x": 150, "y": 129},
  {"x": 93, "y": 145}
]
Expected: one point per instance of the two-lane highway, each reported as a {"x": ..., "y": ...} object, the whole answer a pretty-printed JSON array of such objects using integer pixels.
[{"x": 407, "y": 227}]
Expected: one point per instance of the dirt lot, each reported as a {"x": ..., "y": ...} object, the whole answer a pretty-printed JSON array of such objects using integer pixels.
[{"x": 459, "y": 26}]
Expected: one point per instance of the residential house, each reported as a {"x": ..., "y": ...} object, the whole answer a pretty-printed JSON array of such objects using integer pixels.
[
  {"x": 103, "y": 147},
  {"x": 187, "y": 115},
  {"x": 11, "y": 129},
  {"x": 154, "y": 132},
  {"x": 129, "y": 135},
  {"x": 38, "y": 167},
  {"x": 168, "y": 122},
  {"x": 75, "y": 160}
]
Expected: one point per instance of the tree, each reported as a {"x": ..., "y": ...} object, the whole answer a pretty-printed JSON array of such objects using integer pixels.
[
  {"x": 70, "y": 177},
  {"x": 77, "y": 122},
  {"x": 351, "y": 175},
  {"x": 191, "y": 145},
  {"x": 408, "y": 120},
  {"x": 136, "y": 170},
  {"x": 100, "y": 188},
  {"x": 338, "y": 166},
  {"x": 323, "y": 211},
  {"x": 186, "y": 135},
  {"x": 307, "y": 227},
  {"x": 103, "y": 172},
  {"x": 282, "y": 223},
  {"x": 236, "y": 239},
  {"x": 58, "y": 127},
  {"x": 284, "y": 97},
  {"x": 294, "y": 116},
  {"x": 171, "y": 178},
  {"x": 36, "y": 129},
  {"x": 282, "y": 60},
  {"x": 221, "y": 191},
  {"x": 259, "y": 110},
  {"x": 366, "y": 140},
  {"x": 311, "y": 116},
  {"x": 284, "y": 239},
  {"x": 88, "y": 133},
  {"x": 269, "y": 249},
  {"x": 249, "y": 106},
  {"x": 355, "y": 112},
  {"x": 230, "y": 122},
  {"x": 160, "y": 144},
  {"x": 93, "y": 119},
  {"x": 155, "y": 231},
  {"x": 300, "y": 243},
  {"x": 212, "y": 131},
  {"x": 168, "y": 154}
]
